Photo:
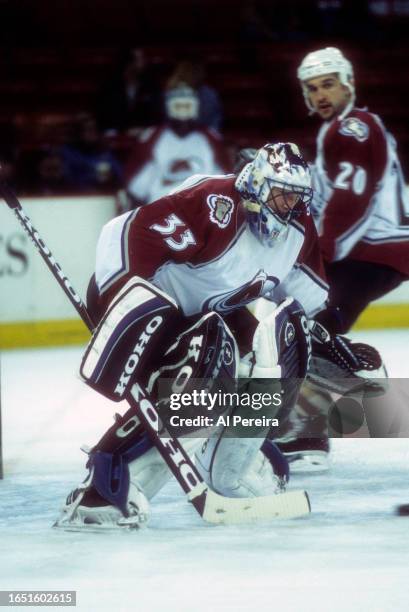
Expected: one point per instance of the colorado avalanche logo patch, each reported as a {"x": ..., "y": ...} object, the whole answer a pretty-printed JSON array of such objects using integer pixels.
[
  {"x": 289, "y": 333},
  {"x": 221, "y": 209},
  {"x": 354, "y": 127}
]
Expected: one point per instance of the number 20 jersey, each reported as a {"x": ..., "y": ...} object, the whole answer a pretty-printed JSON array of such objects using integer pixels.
[{"x": 361, "y": 203}]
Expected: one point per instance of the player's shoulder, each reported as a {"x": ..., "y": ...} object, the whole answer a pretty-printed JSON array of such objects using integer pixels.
[
  {"x": 148, "y": 135},
  {"x": 358, "y": 128},
  {"x": 208, "y": 201},
  {"x": 209, "y": 206},
  {"x": 202, "y": 192},
  {"x": 211, "y": 134},
  {"x": 202, "y": 187}
]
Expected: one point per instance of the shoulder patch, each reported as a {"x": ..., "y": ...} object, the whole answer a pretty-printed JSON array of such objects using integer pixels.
[
  {"x": 221, "y": 209},
  {"x": 352, "y": 126}
]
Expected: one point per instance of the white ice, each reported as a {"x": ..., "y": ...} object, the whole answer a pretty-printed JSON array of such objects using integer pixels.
[{"x": 351, "y": 554}]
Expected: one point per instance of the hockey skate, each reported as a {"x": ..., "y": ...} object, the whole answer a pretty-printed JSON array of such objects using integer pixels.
[
  {"x": 85, "y": 509},
  {"x": 307, "y": 454},
  {"x": 305, "y": 441}
]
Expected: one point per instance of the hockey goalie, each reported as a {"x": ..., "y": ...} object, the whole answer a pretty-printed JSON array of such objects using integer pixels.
[{"x": 216, "y": 283}]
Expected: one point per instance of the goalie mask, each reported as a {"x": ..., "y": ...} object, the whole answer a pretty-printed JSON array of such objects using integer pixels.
[
  {"x": 182, "y": 104},
  {"x": 326, "y": 61},
  {"x": 276, "y": 188}
]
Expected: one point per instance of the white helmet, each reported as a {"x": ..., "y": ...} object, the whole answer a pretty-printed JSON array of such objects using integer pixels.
[
  {"x": 275, "y": 165},
  {"x": 182, "y": 103},
  {"x": 326, "y": 61}
]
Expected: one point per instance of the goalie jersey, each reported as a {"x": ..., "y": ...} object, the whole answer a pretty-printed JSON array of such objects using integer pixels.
[
  {"x": 195, "y": 245},
  {"x": 361, "y": 204}
]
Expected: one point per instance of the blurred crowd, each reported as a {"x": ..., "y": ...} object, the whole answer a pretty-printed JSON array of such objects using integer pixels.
[
  {"x": 172, "y": 128},
  {"x": 356, "y": 20},
  {"x": 148, "y": 130}
]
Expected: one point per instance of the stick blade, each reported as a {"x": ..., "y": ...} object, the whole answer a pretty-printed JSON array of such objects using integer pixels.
[{"x": 221, "y": 510}]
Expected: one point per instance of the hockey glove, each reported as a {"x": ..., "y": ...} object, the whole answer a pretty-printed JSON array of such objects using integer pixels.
[{"x": 339, "y": 365}]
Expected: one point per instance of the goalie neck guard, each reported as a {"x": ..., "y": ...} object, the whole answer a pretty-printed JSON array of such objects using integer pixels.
[{"x": 277, "y": 173}]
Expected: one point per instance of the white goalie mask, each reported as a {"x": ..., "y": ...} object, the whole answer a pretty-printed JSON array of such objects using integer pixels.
[
  {"x": 182, "y": 104},
  {"x": 278, "y": 173},
  {"x": 326, "y": 61}
]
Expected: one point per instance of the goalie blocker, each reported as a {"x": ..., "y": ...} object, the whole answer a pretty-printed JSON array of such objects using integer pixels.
[{"x": 135, "y": 341}]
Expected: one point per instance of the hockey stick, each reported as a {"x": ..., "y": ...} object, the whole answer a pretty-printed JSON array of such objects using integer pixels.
[{"x": 211, "y": 506}]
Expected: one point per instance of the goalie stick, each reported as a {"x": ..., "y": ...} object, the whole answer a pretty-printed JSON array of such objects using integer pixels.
[{"x": 211, "y": 506}]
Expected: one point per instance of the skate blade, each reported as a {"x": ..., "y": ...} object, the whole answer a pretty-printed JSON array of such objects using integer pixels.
[
  {"x": 80, "y": 527},
  {"x": 308, "y": 462},
  {"x": 122, "y": 525}
]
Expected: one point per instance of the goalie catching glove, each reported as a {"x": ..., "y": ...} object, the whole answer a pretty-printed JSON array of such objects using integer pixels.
[
  {"x": 285, "y": 345},
  {"x": 342, "y": 366}
]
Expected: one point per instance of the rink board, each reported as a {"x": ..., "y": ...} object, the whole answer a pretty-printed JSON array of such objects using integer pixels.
[
  {"x": 73, "y": 331},
  {"x": 34, "y": 311}
]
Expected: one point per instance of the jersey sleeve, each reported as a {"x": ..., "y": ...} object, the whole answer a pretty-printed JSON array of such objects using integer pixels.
[
  {"x": 140, "y": 242},
  {"x": 355, "y": 157},
  {"x": 191, "y": 226}
]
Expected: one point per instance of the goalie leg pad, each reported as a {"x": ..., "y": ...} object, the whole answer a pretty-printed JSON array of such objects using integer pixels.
[
  {"x": 125, "y": 470},
  {"x": 141, "y": 465},
  {"x": 133, "y": 331},
  {"x": 235, "y": 467},
  {"x": 111, "y": 477},
  {"x": 231, "y": 462},
  {"x": 124, "y": 454},
  {"x": 109, "y": 481}
]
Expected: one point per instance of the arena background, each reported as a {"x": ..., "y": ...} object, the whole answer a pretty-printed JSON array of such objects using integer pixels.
[
  {"x": 55, "y": 58},
  {"x": 351, "y": 554}
]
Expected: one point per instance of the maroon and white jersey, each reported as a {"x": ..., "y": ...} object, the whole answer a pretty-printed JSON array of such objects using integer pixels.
[
  {"x": 361, "y": 204},
  {"x": 162, "y": 160},
  {"x": 195, "y": 245}
]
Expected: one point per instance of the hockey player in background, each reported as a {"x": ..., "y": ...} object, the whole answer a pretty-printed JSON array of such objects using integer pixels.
[
  {"x": 168, "y": 154},
  {"x": 361, "y": 204},
  {"x": 171, "y": 292},
  {"x": 361, "y": 209}
]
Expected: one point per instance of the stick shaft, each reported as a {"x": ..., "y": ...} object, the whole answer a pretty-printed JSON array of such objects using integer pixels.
[{"x": 170, "y": 448}]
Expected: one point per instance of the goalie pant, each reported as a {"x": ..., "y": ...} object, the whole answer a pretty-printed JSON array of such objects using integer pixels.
[{"x": 140, "y": 324}]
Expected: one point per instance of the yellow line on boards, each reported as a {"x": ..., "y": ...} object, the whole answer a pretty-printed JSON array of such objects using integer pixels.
[
  {"x": 384, "y": 316},
  {"x": 73, "y": 331},
  {"x": 42, "y": 333}
]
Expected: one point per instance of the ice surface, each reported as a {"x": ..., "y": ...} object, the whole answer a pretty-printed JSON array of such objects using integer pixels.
[{"x": 352, "y": 553}]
